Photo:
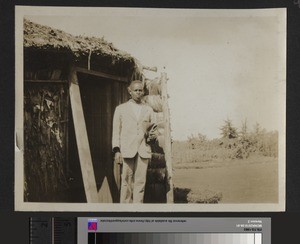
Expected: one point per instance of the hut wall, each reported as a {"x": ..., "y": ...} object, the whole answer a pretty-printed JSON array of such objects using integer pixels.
[
  {"x": 45, "y": 141},
  {"x": 46, "y": 128}
]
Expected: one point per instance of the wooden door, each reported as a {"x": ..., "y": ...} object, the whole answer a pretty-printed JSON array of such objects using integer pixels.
[{"x": 99, "y": 98}]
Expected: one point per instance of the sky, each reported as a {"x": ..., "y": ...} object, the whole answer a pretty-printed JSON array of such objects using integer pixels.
[{"x": 220, "y": 64}]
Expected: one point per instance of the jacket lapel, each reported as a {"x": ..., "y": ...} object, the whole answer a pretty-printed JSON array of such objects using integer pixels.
[{"x": 130, "y": 110}]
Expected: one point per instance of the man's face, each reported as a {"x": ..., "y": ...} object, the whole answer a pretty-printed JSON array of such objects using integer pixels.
[{"x": 137, "y": 92}]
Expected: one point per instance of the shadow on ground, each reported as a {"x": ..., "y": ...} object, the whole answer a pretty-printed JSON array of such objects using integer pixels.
[
  {"x": 180, "y": 195},
  {"x": 187, "y": 195}
]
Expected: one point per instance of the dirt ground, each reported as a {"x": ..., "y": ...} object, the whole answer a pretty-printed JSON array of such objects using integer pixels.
[{"x": 239, "y": 181}]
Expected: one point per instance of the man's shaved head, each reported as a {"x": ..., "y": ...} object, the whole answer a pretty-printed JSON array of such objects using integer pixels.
[{"x": 135, "y": 82}]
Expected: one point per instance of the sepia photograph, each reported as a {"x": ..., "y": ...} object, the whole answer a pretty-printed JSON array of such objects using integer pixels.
[{"x": 143, "y": 109}]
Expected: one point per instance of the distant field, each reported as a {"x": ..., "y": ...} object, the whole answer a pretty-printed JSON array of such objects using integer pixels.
[{"x": 239, "y": 181}]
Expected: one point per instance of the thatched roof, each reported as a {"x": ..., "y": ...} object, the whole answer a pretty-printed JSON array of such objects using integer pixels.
[{"x": 42, "y": 37}]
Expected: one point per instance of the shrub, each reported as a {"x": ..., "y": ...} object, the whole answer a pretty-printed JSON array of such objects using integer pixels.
[{"x": 195, "y": 150}]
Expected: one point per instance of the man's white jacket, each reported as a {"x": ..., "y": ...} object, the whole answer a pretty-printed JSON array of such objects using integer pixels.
[{"x": 129, "y": 131}]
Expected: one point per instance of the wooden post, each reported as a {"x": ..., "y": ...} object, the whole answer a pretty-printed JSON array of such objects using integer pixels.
[
  {"x": 84, "y": 152},
  {"x": 154, "y": 69},
  {"x": 168, "y": 149}
]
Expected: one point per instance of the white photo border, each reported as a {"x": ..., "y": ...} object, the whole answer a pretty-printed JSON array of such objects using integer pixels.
[{"x": 20, "y": 205}]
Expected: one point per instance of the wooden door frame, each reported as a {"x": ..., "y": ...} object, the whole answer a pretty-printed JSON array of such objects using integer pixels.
[{"x": 84, "y": 152}]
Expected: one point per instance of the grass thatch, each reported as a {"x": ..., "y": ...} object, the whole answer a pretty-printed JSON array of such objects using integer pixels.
[{"x": 42, "y": 37}]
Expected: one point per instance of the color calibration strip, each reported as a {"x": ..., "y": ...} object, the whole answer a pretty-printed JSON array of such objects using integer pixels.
[
  {"x": 174, "y": 238},
  {"x": 173, "y": 230}
]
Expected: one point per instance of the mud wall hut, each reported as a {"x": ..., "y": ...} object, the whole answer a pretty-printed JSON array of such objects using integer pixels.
[{"x": 72, "y": 85}]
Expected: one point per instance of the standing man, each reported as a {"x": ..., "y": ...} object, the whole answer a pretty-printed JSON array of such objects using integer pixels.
[{"x": 130, "y": 123}]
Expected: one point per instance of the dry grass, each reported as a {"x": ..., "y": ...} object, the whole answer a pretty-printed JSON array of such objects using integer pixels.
[
  {"x": 239, "y": 181},
  {"x": 239, "y": 170}
]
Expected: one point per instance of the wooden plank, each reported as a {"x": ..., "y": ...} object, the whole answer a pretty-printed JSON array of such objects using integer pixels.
[
  {"x": 168, "y": 146},
  {"x": 45, "y": 81},
  {"x": 108, "y": 115},
  {"x": 102, "y": 74},
  {"x": 84, "y": 152},
  {"x": 66, "y": 125},
  {"x": 154, "y": 69}
]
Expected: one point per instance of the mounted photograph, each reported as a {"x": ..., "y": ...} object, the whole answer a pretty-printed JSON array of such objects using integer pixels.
[{"x": 135, "y": 109}]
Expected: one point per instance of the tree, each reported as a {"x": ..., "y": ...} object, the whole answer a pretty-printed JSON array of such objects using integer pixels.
[
  {"x": 202, "y": 138},
  {"x": 228, "y": 130},
  {"x": 257, "y": 128},
  {"x": 244, "y": 129},
  {"x": 195, "y": 141}
]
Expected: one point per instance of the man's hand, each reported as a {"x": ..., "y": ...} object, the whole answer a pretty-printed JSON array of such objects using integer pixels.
[
  {"x": 152, "y": 133},
  {"x": 118, "y": 158}
]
